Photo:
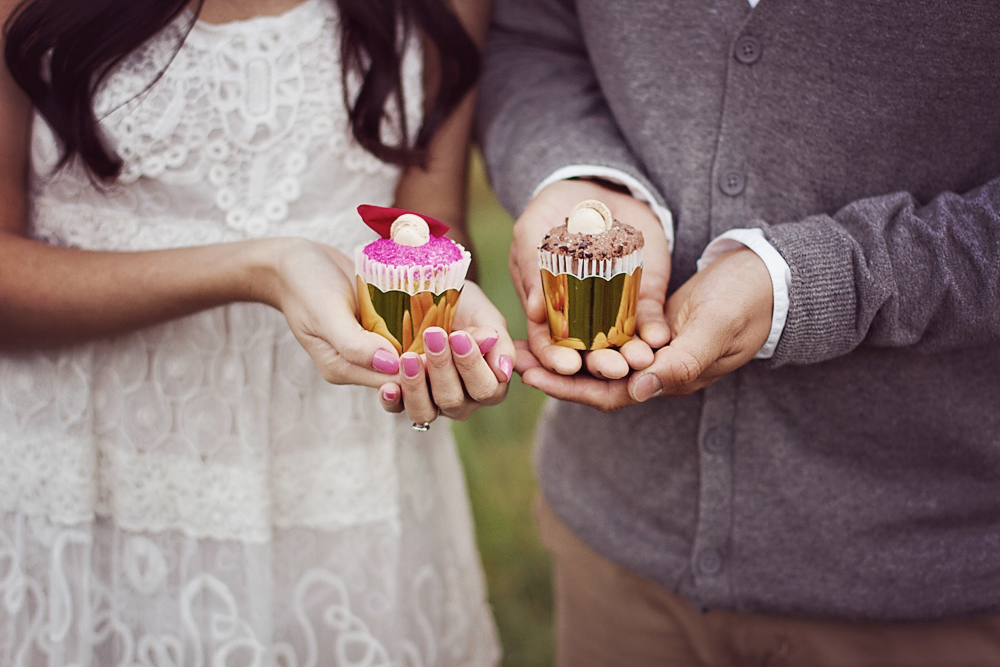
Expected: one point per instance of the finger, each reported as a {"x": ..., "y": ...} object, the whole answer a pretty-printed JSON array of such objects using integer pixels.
[
  {"x": 335, "y": 367},
  {"x": 606, "y": 364},
  {"x": 481, "y": 383},
  {"x": 391, "y": 398},
  {"x": 651, "y": 322},
  {"x": 446, "y": 384},
  {"x": 499, "y": 357},
  {"x": 679, "y": 306},
  {"x": 485, "y": 344},
  {"x": 525, "y": 359},
  {"x": 515, "y": 275},
  {"x": 529, "y": 282},
  {"x": 605, "y": 395},
  {"x": 479, "y": 318},
  {"x": 416, "y": 394},
  {"x": 562, "y": 360},
  {"x": 525, "y": 273},
  {"x": 535, "y": 303},
  {"x": 637, "y": 353},
  {"x": 343, "y": 351},
  {"x": 523, "y": 265},
  {"x": 679, "y": 369}
]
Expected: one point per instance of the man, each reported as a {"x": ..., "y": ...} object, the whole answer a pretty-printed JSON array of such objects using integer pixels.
[{"x": 809, "y": 472}]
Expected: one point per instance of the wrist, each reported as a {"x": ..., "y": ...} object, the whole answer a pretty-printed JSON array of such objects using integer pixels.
[
  {"x": 756, "y": 284},
  {"x": 261, "y": 268}
]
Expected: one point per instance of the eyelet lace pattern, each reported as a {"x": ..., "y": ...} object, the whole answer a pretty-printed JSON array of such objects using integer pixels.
[{"x": 195, "y": 493}]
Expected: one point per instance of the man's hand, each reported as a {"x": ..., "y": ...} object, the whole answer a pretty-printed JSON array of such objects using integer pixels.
[
  {"x": 550, "y": 208},
  {"x": 720, "y": 317}
]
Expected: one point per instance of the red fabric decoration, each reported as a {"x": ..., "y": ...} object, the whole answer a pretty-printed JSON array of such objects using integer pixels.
[{"x": 380, "y": 218}]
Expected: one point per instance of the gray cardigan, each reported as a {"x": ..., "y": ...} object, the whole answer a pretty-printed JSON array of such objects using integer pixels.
[{"x": 856, "y": 475}]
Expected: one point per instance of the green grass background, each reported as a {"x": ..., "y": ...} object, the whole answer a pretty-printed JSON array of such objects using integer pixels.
[{"x": 495, "y": 445}]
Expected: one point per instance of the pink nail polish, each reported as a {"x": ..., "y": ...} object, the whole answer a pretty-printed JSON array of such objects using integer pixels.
[
  {"x": 389, "y": 395},
  {"x": 506, "y": 366},
  {"x": 488, "y": 344},
  {"x": 384, "y": 362},
  {"x": 460, "y": 343},
  {"x": 434, "y": 340},
  {"x": 411, "y": 365}
]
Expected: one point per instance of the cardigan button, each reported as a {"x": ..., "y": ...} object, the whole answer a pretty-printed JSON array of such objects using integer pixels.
[
  {"x": 715, "y": 441},
  {"x": 709, "y": 561},
  {"x": 732, "y": 183},
  {"x": 748, "y": 50}
]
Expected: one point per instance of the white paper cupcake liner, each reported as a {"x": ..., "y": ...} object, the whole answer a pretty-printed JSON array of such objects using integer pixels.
[
  {"x": 589, "y": 268},
  {"x": 412, "y": 279}
]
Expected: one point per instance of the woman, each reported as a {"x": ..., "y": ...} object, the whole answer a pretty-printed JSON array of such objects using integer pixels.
[{"x": 195, "y": 467}]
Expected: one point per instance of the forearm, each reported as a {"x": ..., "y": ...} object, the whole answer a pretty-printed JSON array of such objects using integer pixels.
[
  {"x": 51, "y": 295},
  {"x": 887, "y": 272},
  {"x": 542, "y": 107}
]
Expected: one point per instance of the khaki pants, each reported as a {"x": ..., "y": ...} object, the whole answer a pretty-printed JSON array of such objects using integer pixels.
[{"x": 607, "y": 616}]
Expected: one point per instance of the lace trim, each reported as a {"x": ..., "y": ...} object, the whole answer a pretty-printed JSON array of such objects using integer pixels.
[
  {"x": 246, "y": 126},
  {"x": 170, "y": 600},
  {"x": 48, "y": 460},
  {"x": 217, "y": 425}
]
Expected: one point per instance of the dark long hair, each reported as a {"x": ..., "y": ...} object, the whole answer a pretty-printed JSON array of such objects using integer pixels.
[{"x": 59, "y": 51}]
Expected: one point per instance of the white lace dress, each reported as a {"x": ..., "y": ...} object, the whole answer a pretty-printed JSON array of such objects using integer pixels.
[{"x": 195, "y": 493}]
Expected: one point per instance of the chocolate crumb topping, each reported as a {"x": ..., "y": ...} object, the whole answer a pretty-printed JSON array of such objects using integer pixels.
[{"x": 618, "y": 241}]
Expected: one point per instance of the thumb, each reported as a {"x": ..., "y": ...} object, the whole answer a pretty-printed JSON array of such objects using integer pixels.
[
  {"x": 534, "y": 306},
  {"x": 680, "y": 368},
  {"x": 528, "y": 284},
  {"x": 343, "y": 351}
]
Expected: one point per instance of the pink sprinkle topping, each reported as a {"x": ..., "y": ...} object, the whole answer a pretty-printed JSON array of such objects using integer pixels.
[{"x": 439, "y": 250}]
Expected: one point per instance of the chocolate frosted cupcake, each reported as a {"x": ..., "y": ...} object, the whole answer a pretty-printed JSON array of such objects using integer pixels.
[
  {"x": 591, "y": 267},
  {"x": 409, "y": 279}
]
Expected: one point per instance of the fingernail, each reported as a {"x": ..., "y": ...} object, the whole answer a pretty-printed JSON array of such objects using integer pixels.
[
  {"x": 434, "y": 340},
  {"x": 647, "y": 387},
  {"x": 384, "y": 362},
  {"x": 460, "y": 343},
  {"x": 411, "y": 365},
  {"x": 389, "y": 394},
  {"x": 488, "y": 344},
  {"x": 506, "y": 366}
]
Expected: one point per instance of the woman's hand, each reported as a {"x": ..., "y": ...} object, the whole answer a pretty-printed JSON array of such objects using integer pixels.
[
  {"x": 314, "y": 287},
  {"x": 458, "y": 373}
]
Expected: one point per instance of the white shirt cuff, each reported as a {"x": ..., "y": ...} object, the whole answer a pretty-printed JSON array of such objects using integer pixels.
[
  {"x": 777, "y": 267},
  {"x": 637, "y": 189}
]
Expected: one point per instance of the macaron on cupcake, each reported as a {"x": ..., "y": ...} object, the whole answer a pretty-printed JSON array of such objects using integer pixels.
[
  {"x": 591, "y": 267},
  {"x": 409, "y": 279}
]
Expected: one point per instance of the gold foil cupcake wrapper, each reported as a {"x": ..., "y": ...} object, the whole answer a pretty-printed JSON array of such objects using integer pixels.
[
  {"x": 401, "y": 318},
  {"x": 591, "y": 313}
]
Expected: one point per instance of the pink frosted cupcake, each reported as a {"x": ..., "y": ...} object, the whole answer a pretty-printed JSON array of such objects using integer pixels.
[{"x": 409, "y": 279}]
